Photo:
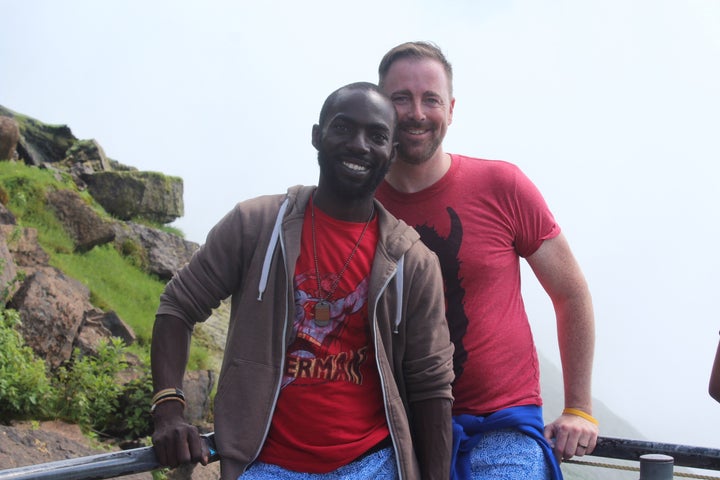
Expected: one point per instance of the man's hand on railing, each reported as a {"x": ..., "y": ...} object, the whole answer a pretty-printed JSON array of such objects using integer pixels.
[
  {"x": 572, "y": 435},
  {"x": 174, "y": 440}
]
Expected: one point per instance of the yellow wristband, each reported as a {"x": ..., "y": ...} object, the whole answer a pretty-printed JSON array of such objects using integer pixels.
[{"x": 581, "y": 414}]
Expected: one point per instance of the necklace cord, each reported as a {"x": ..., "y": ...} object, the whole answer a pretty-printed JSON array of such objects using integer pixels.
[{"x": 336, "y": 281}]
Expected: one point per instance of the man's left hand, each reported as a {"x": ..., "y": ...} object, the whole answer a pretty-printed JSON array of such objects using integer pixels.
[{"x": 571, "y": 436}]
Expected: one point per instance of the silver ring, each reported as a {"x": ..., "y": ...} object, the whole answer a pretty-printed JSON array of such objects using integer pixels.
[{"x": 582, "y": 446}]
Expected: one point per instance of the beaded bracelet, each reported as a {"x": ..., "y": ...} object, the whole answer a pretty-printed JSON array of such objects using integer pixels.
[{"x": 581, "y": 414}]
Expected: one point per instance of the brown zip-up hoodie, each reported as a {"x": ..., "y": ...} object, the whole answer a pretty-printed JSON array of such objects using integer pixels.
[{"x": 250, "y": 255}]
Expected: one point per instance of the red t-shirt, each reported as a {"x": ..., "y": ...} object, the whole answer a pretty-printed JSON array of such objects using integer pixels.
[
  {"x": 479, "y": 219},
  {"x": 330, "y": 409}
]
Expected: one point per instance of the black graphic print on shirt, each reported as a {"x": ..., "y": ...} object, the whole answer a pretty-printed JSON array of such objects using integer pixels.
[{"x": 447, "y": 250}]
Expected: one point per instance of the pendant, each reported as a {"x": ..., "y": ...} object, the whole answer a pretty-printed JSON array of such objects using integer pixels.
[{"x": 322, "y": 313}]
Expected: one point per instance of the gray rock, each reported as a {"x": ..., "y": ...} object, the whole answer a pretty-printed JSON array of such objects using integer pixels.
[
  {"x": 112, "y": 324},
  {"x": 9, "y": 136},
  {"x": 8, "y": 272},
  {"x": 89, "y": 153},
  {"x": 130, "y": 194},
  {"x": 197, "y": 386},
  {"x": 52, "y": 307},
  {"x": 23, "y": 245},
  {"x": 6, "y": 216},
  {"x": 213, "y": 333},
  {"x": 82, "y": 223},
  {"x": 163, "y": 253},
  {"x": 89, "y": 336},
  {"x": 39, "y": 142}
]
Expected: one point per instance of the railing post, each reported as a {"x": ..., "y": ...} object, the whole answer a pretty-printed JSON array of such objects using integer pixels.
[{"x": 656, "y": 466}]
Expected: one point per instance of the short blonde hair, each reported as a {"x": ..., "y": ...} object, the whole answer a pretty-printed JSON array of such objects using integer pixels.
[{"x": 417, "y": 51}]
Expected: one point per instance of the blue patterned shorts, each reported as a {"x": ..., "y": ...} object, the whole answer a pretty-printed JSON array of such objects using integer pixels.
[
  {"x": 377, "y": 466},
  {"x": 508, "y": 455}
]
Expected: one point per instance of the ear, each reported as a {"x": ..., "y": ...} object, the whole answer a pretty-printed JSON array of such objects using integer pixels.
[
  {"x": 452, "y": 107},
  {"x": 316, "y": 134},
  {"x": 393, "y": 153}
]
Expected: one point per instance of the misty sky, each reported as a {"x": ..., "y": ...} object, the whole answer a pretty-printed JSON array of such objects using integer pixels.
[{"x": 611, "y": 107}]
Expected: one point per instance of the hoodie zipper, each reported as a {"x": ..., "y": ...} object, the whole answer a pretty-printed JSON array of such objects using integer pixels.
[
  {"x": 276, "y": 236},
  {"x": 380, "y": 372}
]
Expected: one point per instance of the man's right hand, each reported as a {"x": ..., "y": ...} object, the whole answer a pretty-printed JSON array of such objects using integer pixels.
[{"x": 175, "y": 441}]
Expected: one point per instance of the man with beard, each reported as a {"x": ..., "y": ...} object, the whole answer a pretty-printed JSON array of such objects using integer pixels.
[
  {"x": 480, "y": 217},
  {"x": 338, "y": 362}
]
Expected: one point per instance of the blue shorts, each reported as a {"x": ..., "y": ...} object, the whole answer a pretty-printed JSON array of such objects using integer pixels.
[
  {"x": 508, "y": 454},
  {"x": 379, "y": 465}
]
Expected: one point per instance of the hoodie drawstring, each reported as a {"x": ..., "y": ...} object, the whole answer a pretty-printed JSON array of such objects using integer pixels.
[
  {"x": 399, "y": 277},
  {"x": 271, "y": 248}
]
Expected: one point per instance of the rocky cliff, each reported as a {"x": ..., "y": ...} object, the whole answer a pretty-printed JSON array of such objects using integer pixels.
[{"x": 57, "y": 311}]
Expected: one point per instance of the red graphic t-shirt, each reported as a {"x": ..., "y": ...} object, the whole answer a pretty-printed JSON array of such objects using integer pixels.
[{"x": 330, "y": 409}]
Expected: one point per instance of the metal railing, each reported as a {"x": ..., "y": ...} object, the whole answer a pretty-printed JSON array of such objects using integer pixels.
[
  {"x": 656, "y": 461},
  {"x": 103, "y": 465},
  {"x": 683, "y": 456}
]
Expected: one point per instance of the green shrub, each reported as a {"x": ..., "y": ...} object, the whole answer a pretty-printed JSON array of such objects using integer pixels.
[
  {"x": 87, "y": 390},
  {"x": 24, "y": 385},
  {"x": 134, "y": 420}
]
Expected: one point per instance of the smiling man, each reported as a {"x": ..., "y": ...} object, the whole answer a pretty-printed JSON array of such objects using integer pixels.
[
  {"x": 481, "y": 217},
  {"x": 337, "y": 333}
]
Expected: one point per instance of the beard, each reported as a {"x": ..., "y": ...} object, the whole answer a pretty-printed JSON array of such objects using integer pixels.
[
  {"x": 417, "y": 153},
  {"x": 341, "y": 187}
]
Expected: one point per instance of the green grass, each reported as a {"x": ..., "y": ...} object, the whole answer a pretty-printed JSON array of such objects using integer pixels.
[
  {"x": 25, "y": 189},
  {"x": 131, "y": 293}
]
